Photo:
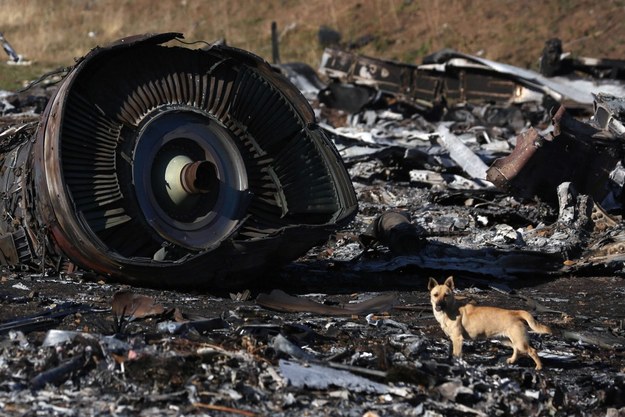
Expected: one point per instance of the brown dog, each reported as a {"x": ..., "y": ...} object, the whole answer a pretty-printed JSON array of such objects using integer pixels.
[{"x": 471, "y": 321}]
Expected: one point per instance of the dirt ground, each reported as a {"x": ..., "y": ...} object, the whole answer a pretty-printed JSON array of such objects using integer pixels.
[{"x": 197, "y": 372}]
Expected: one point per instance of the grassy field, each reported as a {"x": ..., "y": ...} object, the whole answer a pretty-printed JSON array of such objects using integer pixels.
[{"x": 52, "y": 34}]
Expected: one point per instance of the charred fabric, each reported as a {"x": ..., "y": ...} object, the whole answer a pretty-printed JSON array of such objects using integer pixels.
[{"x": 152, "y": 162}]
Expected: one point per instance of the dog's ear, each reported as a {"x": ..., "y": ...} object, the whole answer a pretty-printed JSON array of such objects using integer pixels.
[
  {"x": 450, "y": 282},
  {"x": 432, "y": 283}
]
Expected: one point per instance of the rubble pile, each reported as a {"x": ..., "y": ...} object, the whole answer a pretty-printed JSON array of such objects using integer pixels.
[
  {"x": 511, "y": 182},
  {"x": 171, "y": 353}
]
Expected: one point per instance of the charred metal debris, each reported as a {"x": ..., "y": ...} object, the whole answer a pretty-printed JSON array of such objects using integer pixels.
[
  {"x": 151, "y": 163},
  {"x": 8, "y": 49},
  {"x": 163, "y": 165},
  {"x": 116, "y": 351},
  {"x": 447, "y": 78},
  {"x": 554, "y": 61},
  {"x": 534, "y": 162}
]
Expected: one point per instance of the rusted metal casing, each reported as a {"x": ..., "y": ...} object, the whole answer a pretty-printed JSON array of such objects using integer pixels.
[
  {"x": 168, "y": 166},
  {"x": 575, "y": 152}
]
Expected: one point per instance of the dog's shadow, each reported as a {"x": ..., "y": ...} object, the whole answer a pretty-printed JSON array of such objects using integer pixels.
[{"x": 492, "y": 356}]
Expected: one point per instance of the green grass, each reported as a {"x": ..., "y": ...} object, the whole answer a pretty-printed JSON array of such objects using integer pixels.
[{"x": 16, "y": 77}]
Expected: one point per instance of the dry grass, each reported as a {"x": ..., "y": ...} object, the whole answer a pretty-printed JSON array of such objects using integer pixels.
[{"x": 55, "y": 33}]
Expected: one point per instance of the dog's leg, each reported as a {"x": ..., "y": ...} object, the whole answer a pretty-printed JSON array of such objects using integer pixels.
[
  {"x": 532, "y": 354},
  {"x": 456, "y": 341},
  {"x": 520, "y": 344},
  {"x": 518, "y": 341},
  {"x": 515, "y": 354}
]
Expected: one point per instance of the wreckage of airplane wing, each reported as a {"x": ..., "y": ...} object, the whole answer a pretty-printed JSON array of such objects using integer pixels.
[
  {"x": 168, "y": 166},
  {"x": 450, "y": 77}
]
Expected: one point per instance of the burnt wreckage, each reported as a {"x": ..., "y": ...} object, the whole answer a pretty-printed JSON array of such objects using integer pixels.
[
  {"x": 447, "y": 78},
  {"x": 427, "y": 205},
  {"x": 164, "y": 165},
  {"x": 553, "y": 145}
]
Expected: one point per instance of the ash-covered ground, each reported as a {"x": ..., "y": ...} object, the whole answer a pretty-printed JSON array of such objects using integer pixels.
[
  {"x": 237, "y": 357},
  {"x": 73, "y": 345}
]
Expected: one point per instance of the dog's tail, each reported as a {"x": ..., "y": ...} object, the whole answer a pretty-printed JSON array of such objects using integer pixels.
[{"x": 534, "y": 325}]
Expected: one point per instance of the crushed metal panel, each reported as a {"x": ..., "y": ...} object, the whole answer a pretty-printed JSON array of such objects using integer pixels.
[
  {"x": 429, "y": 86},
  {"x": 8, "y": 252},
  {"x": 393, "y": 78},
  {"x": 20, "y": 243},
  {"x": 575, "y": 152},
  {"x": 424, "y": 85},
  {"x": 168, "y": 166},
  {"x": 554, "y": 61},
  {"x": 17, "y": 242},
  {"x": 9, "y": 49},
  {"x": 485, "y": 87},
  {"x": 574, "y": 94},
  {"x": 610, "y": 113},
  {"x": 303, "y": 77},
  {"x": 600, "y": 67}
]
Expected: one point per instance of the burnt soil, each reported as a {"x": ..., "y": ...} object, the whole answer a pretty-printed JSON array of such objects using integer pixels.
[{"x": 233, "y": 365}]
